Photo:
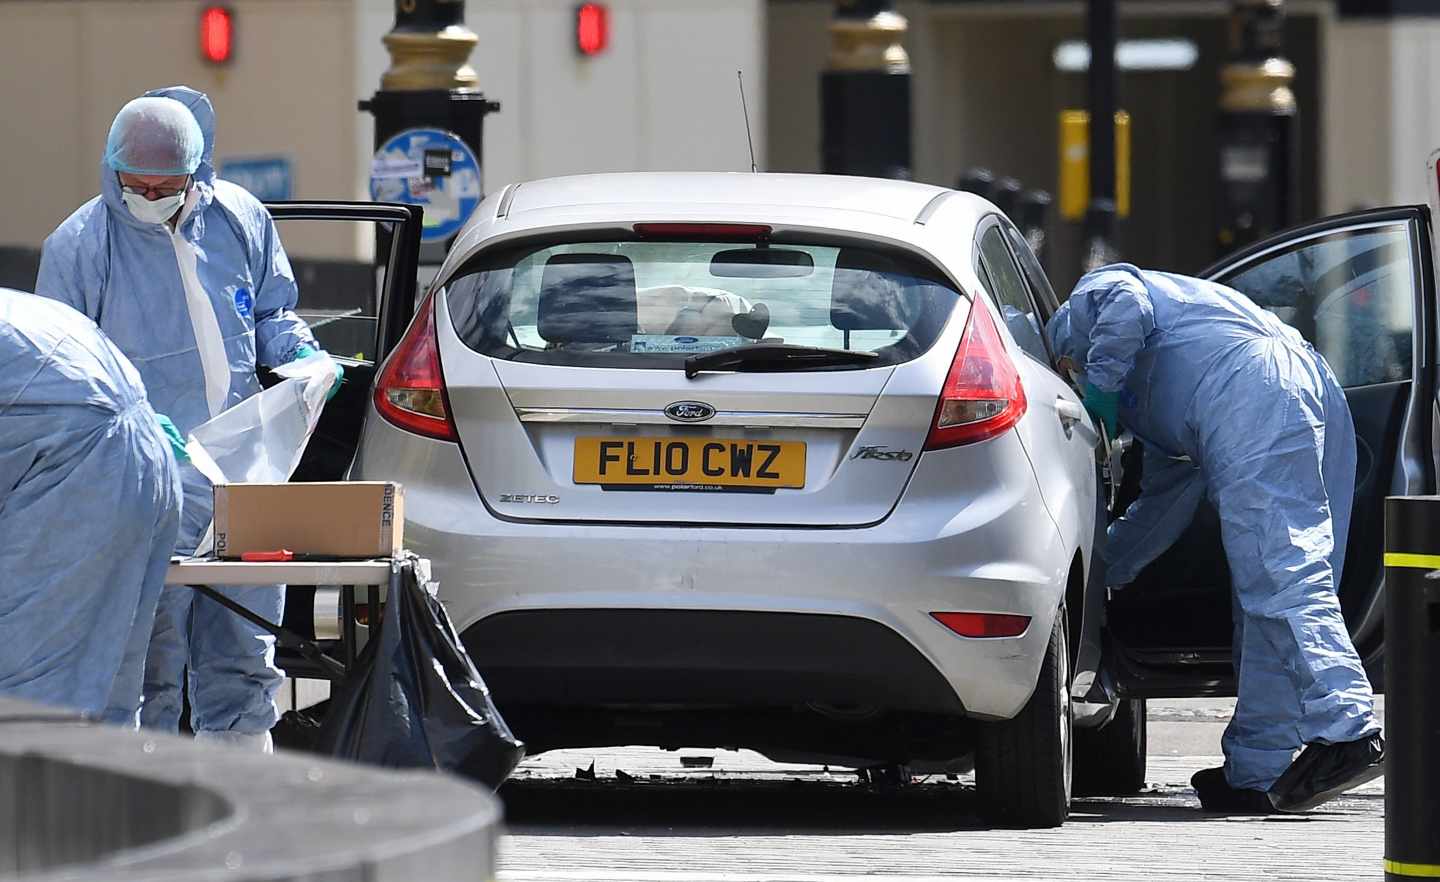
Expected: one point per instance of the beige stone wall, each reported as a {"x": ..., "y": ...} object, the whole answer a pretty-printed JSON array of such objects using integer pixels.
[
  {"x": 986, "y": 93},
  {"x": 69, "y": 66},
  {"x": 1383, "y": 113},
  {"x": 663, "y": 97}
]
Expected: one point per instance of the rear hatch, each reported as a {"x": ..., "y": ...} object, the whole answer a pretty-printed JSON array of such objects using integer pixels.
[{"x": 694, "y": 374}]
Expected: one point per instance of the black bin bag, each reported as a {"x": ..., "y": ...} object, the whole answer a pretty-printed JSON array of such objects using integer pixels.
[{"x": 415, "y": 699}]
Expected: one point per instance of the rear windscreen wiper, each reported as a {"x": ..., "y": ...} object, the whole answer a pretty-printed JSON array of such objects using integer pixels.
[{"x": 773, "y": 356}]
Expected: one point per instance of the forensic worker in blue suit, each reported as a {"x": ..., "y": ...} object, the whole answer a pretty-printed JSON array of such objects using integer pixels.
[
  {"x": 187, "y": 275},
  {"x": 1231, "y": 403},
  {"x": 89, "y": 509}
]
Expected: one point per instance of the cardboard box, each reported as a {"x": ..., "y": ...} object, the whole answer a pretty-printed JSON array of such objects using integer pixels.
[{"x": 360, "y": 519}]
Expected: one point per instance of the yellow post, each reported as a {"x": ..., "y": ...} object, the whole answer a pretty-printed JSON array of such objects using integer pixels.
[{"x": 1075, "y": 164}]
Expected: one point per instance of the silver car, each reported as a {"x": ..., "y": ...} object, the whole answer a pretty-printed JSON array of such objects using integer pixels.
[
  {"x": 770, "y": 461},
  {"x": 906, "y": 611}
]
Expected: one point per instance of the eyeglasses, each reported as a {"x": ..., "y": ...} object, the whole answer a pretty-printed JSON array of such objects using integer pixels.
[{"x": 153, "y": 193}]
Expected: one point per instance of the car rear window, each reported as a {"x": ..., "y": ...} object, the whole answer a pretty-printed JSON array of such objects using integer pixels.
[{"x": 652, "y": 304}]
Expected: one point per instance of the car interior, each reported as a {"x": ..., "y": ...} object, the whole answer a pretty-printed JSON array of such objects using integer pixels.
[{"x": 687, "y": 310}]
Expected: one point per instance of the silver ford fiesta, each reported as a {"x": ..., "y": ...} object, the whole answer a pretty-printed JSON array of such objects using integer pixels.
[{"x": 768, "y": 461}]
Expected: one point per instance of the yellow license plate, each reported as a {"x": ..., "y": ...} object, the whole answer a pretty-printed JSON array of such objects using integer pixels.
[{"x": 690, "y": 463}]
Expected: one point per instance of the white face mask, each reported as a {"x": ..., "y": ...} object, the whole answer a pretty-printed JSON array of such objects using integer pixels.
[{"x": 156, "y": 212}]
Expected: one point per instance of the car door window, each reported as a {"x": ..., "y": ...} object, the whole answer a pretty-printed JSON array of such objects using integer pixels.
[
  {"x": 339, "y": 293},
  {"x": 1350, "y": 293},
  {"x": 357, "y": 306},
  {"x": 1008, "y": 288},
  {"x": 1034, "y": 273}
]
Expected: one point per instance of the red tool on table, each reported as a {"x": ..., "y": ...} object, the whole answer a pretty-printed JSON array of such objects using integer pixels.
[{"x": 282, "y": 555}]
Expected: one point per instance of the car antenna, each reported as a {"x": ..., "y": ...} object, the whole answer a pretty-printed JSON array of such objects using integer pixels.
[{"x": 745, "y": 109}]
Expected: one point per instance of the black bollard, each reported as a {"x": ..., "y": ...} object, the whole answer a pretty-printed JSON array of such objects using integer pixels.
[
  {"x": 1034, "y": 219},
  {"x": 980, "y": 181},
  {"x": 1007, "y": 198},
  {"x": 1412, "y": 676},
  {"x": 1099, "y": 235}
]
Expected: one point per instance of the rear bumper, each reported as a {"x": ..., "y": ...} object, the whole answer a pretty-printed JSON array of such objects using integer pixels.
[
  {"x": 564, "y": 614},
  {"x": 722, "y": 658}
]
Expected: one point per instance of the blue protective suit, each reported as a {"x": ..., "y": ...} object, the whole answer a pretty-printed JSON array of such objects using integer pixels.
[
  {"x": 195, "y": 309},
  {"x": 89, "y": 507},
  {"x": 1231, "y": 402}
]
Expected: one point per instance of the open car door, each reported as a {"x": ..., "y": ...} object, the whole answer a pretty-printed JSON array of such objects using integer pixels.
[
  {"x": 1361, "y": 288},
  {"x": 357, "y": 309}
]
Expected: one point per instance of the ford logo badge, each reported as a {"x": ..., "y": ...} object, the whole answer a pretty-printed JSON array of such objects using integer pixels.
[{"x": 690, "y": 411}]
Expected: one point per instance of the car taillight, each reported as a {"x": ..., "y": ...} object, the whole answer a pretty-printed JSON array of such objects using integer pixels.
[
  {"x": 411, "y": 389},
  {"x": 982, "y": 396},
  {"x": 970, "y": 624}
]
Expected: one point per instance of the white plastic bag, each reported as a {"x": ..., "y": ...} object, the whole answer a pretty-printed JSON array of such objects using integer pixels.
[{"x": 260, "y": 440}]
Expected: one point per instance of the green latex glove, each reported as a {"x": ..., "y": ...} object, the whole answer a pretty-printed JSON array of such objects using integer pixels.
[
  {"x": 1104, "y": 407},
  {"x": 306, "y": 352},
  {"x": 172, "y": 434}
]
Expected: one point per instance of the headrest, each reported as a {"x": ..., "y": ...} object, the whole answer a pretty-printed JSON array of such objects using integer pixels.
[
  {"x": 588, "y": 298},
  {"x": 868, "y": 293}
]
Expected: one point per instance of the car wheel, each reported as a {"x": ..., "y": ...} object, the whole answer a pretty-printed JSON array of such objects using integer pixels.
[
  {"x": 1110, "y": 760},
  {"x": 1023, "y": 765}
]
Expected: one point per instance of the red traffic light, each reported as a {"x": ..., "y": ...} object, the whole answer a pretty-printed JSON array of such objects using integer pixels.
[
  {"x": 217, "y": 34},
  {"x": 592, "y": 28}
]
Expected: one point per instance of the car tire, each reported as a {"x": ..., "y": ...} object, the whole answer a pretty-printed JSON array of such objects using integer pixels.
[
  {"x": 1110, "y": 760},
  {"x": 1023, "y": 765}
]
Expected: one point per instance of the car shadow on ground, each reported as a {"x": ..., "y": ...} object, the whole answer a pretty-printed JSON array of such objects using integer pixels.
[{"x": 764, "y": 807}]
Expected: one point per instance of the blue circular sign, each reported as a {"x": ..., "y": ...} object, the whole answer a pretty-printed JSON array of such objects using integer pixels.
[{"x": 432, "y": 168}]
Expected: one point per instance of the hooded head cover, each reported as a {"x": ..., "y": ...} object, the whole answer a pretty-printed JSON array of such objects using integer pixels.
[
  {"x": 154, "y": 135},
  {"x": 202, "y": 176},
  {"x": 1062, "y": 336}
]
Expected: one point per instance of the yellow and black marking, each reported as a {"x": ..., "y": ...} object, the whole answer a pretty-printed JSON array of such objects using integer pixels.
[
  {"x": 1412, "y": 561},
  {"x": 1412, "y": 871}
]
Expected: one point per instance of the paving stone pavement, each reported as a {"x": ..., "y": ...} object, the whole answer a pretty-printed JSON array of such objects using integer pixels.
[{"x": 647, "y": 818}]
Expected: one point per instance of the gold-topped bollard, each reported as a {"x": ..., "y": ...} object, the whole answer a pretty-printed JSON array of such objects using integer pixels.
[
  {"x": 430, "y": 120},
  {"x": 865, "y": 92},
  {"x": 429, "y": 47},
  {"x": 1259, "y": 181}
]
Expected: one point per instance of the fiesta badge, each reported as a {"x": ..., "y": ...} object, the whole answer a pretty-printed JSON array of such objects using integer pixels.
[{"x": 690, "y": 411}]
